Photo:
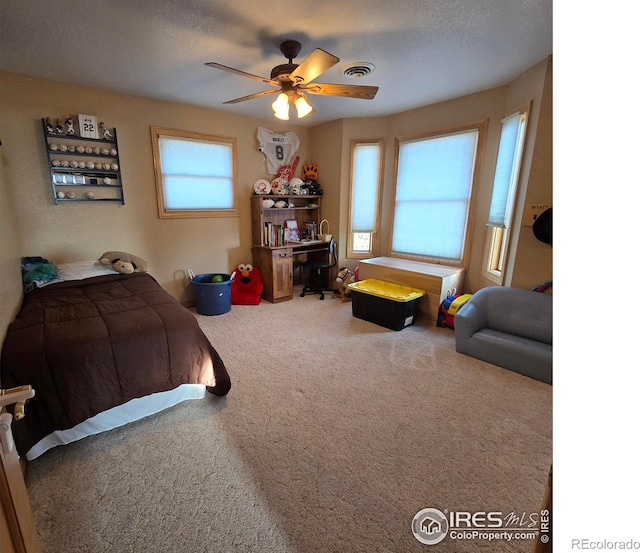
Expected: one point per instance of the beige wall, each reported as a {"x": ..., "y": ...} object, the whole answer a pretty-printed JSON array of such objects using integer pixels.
[
  {"x": 10, "y": 280},
  {"x": 326, "y": 145},
  {"x": 31, "y": 224},
  {"x": 533, "y": 261},
  {"x": 76, "y": 231}
]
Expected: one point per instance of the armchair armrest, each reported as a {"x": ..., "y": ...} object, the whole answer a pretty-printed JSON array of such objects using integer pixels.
[{"x": 468, "y": 321}]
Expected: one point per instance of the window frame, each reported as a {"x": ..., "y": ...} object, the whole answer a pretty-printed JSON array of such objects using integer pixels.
[
  {"x": 480, "y": 126},
  {"x": 163, "y": 212},
  {"x": 360, "y": 254},
  {"x": 498, "y": 239}
]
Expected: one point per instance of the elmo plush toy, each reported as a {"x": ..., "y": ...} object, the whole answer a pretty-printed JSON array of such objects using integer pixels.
[{"x": 247, "y": 285}]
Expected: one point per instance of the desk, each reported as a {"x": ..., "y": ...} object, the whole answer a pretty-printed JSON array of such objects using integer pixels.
[{"x": 276, "y": 266}]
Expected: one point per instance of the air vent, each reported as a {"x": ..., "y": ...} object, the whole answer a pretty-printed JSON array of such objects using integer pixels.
[{"x": 359, "y": 70}]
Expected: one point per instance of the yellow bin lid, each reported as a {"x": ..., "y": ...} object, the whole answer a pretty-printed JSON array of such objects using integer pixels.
[{"x": 387, "y": 290}]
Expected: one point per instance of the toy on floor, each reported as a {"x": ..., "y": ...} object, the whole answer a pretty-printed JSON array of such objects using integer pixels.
[
  {"x": 450, "y": 306},
  {"x": 247, "y": 286},
  {"x": 344, "y": 278}
]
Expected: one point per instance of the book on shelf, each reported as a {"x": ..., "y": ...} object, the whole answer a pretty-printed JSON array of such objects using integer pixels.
[
  {"x": 293, "y": 234},
  {"x": 266, "y": 233},
  {"x": 273, "y": 235},
  {"x": 310, "y": 231}
]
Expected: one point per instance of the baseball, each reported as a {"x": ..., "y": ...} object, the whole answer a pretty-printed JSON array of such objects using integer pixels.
[
  {"x": 90, "y": 195},
  {"x": 107, "y": 180}
]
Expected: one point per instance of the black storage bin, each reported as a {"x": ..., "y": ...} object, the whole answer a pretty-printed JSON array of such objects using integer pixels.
[{"x": 384, "y": 303}]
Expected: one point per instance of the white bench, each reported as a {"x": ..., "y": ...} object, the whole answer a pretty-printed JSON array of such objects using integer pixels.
[{"x": 436, "y": 280}]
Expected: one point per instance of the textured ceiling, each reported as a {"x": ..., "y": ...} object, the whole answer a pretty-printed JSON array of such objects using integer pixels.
[{"x": 425, "y": 51}]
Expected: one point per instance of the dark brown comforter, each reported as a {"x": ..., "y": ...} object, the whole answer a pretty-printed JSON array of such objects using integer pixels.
[{"x": 88, "y": 345}]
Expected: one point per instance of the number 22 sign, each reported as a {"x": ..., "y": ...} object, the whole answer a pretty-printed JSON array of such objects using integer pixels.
[{"x": 88, "y": 126}]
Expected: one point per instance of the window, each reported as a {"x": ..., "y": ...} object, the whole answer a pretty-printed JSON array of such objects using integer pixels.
[
  {"x": 434, "y": 187},
  {"x": 195, "y": 174},
  {"x": 505, "y": 185},
  {"x": 366, "y": 163}
]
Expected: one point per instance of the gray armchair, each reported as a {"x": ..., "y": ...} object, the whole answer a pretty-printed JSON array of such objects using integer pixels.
[{"x": 509, "y": 327}]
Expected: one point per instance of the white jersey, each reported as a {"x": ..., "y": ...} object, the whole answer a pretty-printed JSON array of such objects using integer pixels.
[{"x": 278, "y": 148}]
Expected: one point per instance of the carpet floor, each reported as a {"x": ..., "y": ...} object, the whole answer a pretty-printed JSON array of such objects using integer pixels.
[{"x": 335, "y": 433}]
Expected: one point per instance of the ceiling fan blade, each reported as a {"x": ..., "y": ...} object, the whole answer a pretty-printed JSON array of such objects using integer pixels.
[
  {"x": 316, "y": 63},
  {"x": 346, "y": 90},
  {"x": 252, "y": 96},
  {"x": 243, "y": 73}
]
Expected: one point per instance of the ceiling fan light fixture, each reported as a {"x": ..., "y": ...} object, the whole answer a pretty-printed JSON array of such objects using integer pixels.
[
  {"x": 290, "y": 79},
  {"x": 303, "y": 107},
  {"x": 281, "y": 107}
]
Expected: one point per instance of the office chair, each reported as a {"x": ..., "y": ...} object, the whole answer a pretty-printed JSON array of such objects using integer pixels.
[{"x": 316, "y": 268}]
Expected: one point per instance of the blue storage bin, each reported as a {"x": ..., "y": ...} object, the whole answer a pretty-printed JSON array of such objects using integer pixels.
[{"x": 212, "y": 298}]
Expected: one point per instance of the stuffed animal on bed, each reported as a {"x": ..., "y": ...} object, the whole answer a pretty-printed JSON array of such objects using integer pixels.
[
  {"x": 123, "y": 262},
  {"x": 247, "y": 285},
  {"x": 37, "y": 272}
]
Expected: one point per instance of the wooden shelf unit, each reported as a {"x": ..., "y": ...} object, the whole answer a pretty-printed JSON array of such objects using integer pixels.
[
  {"x": 276, "y": 262},
  {"x": 306, "y": 208}
]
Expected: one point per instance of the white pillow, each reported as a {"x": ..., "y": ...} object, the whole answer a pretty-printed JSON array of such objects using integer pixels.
[{"x": 78, "y": 270}]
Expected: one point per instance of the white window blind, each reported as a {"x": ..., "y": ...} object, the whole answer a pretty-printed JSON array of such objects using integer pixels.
[
  {"x": 197, "y": 175},
  {"x": 507, "y": 170},
  {"x": 434, "y": 183},
  {"x": 365, "y": 178}
]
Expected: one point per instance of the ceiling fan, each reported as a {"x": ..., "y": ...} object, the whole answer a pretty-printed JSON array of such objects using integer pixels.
[{"x": 293, "y": 81}]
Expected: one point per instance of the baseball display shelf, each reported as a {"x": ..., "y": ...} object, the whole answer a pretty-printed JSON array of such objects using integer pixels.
[{"x": 82, "y": 168}]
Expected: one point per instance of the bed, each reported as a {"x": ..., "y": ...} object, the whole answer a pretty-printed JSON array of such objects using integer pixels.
[{"x": 102, "y": 351}]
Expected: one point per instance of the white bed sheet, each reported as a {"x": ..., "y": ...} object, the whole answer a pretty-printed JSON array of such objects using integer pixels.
[
  {"x": 131, "y": 411},
  {"x": 77, "y": 270}
]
